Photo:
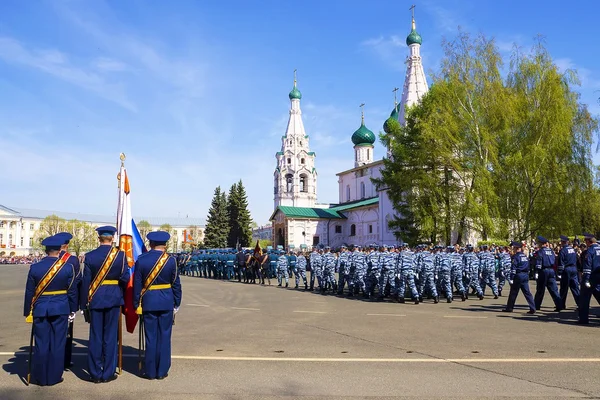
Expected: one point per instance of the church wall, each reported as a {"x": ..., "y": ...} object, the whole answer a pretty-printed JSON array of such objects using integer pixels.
[{"x": 353, "y": 180}]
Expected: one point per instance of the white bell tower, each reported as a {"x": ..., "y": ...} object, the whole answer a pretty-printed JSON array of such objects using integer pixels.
[{"x": 295, "y": 177}]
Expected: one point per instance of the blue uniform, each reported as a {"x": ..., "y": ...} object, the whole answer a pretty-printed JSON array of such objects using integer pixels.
[
  {"x": 104, "y": 310},
  {"x": 425, "y": 260},
  {"x": 359, "y": 264},
  {"x": 373, "y": 271},
  {"x": 446, "y": 274},
  {"x": 519, "y": 276},
  {"x": 546, "y": 278},
  {"x": 487, "y": 264},
  {"x": 74, "y": 261},
  {"x": 50, "y": 318},
  {"x": 457, "y": 273},
  {"x": 301, "y": 270},
  {"x": 316, "y": 269},
  {"x": 406, "y": 269},
  {"x": 567, "y": 272},
  {"x": 343, "y": 268},
  {"x": 282, "y": 270},
  {"x": 388, "y": 272},
  {"x": 503, "y": 269},
  {"x": 472, "y": 272},
  {"x": 329, "y": 262},
  {"x": 157, "y": 306},
  {"x": 591, "y": 278}
]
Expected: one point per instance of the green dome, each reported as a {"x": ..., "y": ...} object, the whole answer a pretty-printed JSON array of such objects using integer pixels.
[
  {"x": 363, "y": 136},
  {"x": 413, "y": 38},
  {"x": 394, "y": 118},
  {"x": 295, "y": 93}
]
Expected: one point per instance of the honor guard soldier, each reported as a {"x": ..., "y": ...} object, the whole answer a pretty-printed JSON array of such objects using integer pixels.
[
  {"x": 74, "y": 261},
  {"x": 106, "y": 274},
  {"x": 50, "y": 304},
  {"x": 590, "y": 280},
  {"x": 545, "y": 275},
  {"x": 519, "y": 279},
  {"x": 567, "y": 272},
  {"x": 157, "y": 297}
]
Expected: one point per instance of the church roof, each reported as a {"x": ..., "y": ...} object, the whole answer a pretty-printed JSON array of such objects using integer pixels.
[
  {"x": 363, "y": 136},
  {"x": 307, "y": 212},
  {"x": 356, "y": 204}
]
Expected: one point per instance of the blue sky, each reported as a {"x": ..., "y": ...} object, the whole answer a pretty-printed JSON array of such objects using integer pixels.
[{"x": 195, "y": 92}]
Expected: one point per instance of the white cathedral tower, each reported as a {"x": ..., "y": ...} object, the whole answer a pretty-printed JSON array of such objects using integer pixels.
[{"x": 295, "y": 175}]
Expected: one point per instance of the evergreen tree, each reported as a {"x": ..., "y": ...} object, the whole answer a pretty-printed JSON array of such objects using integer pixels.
[
  {"x": 240, "y": 222},
  {"x": 215, "y": 234}
]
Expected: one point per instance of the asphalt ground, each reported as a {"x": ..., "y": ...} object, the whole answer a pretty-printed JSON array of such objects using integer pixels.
[{"x": 237, "y": 341}]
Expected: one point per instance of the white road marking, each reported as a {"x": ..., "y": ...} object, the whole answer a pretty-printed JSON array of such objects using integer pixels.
[
  {"x": 197, "y": 305},
  {"x": 387, "y": 315},
  {"x": 361, "y": 360},
  {"x": 244, "y": 308},
  {"x": 464, "y": 316},
  {"x": 310, "y": 312}
]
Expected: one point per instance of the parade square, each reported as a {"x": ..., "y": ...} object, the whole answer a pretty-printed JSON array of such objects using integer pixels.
[{"x": 237, "y": 341}]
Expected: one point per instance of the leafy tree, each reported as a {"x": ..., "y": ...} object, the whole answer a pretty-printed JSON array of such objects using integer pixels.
[
  {"x": 173, "y": 243},
  {"x": 239, "y": 220},
  {"x": 49, "y": 226},
  {"x": 217, "y": 229},
  {"x": 144, "y": 228},
  {"x": 84, "y": 236}
]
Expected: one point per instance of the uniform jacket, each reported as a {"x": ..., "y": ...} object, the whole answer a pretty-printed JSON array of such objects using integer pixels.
[
  {"x": 156, "y": 300},
  {"x": 107, "y": 296},
  {"x": 51, "y": 305}
]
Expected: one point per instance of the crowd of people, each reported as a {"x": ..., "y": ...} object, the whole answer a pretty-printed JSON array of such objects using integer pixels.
[
  {"x": 398, "y": 273},
  {"x": 30, "y": 259}
]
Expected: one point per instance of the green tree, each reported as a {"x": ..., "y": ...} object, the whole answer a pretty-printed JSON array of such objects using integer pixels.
[
  {"x": 84, "y": 236},
  {"x": 173, "y": 243},
  {"x": 49, "y": 226},
  {"x": 216, "y": 232},
  {"x": 239, "y": 220},
  {"x": 144, "y": 228}
]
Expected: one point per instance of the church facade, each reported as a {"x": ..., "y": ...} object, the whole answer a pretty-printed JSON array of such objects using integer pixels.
[{"x": 363, "y": 210}]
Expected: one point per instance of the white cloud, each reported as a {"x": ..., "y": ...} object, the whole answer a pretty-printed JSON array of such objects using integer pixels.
[
  {"x": 390, "y": 49},
  {"x": 109, "y": 65},
  {"x": 56, "y": 63}
]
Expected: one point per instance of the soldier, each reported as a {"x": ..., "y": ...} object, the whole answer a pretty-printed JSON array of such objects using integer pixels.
[
  {"x": 429, "y": 274},
  {"x": 344, "y": 270},
  {"x": 446, "y": 273},
  {"x": 359, "y": 260},
  {"x": 387, "y": 275},
  {"x": 567, "y": 272},
  {"x": 373, "y": 270},
  {"x": 329, "y": 262},
  {"x": 407, "y": 264},
  {"x": 590, "y": 278},
  {"x": 282, "y": 269},
  {"x": 74, "y": 261},
  {"x": 50, "y": 302},
  {"x": 488, "y": 270},
  {"x": 519, "y": 279},
  {"x": 503, "y": 268},
  {"x": 315, "y": 268},
  {"x": 292, "y": 260},
  {"x": 457, "y": 272},
  {"x": 157, "y": 297},
  {"x": 105, "y": 276},
  {"x": 545, "y": 275},
  {"x": 471, "y": 272},
  {"x": 301, "y": 270}
]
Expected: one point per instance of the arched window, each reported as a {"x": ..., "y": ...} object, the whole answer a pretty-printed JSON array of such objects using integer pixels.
[
  {"x": 289, "y": 160},
  {"x": 368, "y": 154},
  {"x": 352, "y": 230},
  {"x": 348, "y": 193},
  {"x": 303, "y": 183},
  {"x": 362, "y": 190},
  {"x": 276, "y": 184},
  {"x": 302, "y": 161},
  {"x": 289, "y": 181}
]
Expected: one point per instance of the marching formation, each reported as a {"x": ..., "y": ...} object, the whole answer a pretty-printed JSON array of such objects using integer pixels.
[
  {"x": 419, "y": 273},
  {"x": 57, "y": 287}
]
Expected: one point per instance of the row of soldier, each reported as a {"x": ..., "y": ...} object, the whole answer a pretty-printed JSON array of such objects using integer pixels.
[{"x": 426, "y": 271}]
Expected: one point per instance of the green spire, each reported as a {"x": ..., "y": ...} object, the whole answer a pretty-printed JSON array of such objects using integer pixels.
[
  {"x": 363, "y": 136},
  {"x": 295, "y": 93},
  {"x": 413, "y": 36}
]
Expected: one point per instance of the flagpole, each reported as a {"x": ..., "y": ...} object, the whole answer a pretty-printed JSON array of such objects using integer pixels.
[{"x": 120, "y": 331}]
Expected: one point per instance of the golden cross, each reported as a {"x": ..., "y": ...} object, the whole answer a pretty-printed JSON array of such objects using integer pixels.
[
  {"x": 412, "y": 8},
  {"x": 295, "y": 77},
  {"x": 395, "y": 100},
  {"x": 362, "y": 112}
]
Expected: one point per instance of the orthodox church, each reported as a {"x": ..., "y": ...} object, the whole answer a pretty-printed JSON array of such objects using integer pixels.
[{"x": 363, "y": 210}]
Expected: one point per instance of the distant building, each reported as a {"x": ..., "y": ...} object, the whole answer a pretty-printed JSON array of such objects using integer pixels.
[
  {"x": 18, "y": 227},
  {"x": 262, "y": 233}
]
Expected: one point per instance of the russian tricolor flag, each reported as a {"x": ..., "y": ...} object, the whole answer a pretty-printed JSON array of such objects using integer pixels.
[{"x": 131, "y": 242}]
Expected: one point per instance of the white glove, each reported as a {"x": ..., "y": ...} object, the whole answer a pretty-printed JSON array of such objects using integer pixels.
[
  {"x": 435, "y": 277},
  {"x": 81, "y": 312},
  {"x": 536, "y": 275},
  {"x": 72, "y": 317},
  {"x": 511, "y": 282},
  {"x": 175, "y": 310},
  {"x": 587, "y": 284}
]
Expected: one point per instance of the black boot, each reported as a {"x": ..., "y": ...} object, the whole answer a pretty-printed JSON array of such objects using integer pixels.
[
  {"x": 286, "y": 284},
  {"x": 449, "y": 300},
  {"x": 296, "y": 287},
  {"x": 463, "y": 297},
  {"x": 436, "y": 299},
  {"x": 401, "y": 300},
  {"x": 416, "y": 300}
]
